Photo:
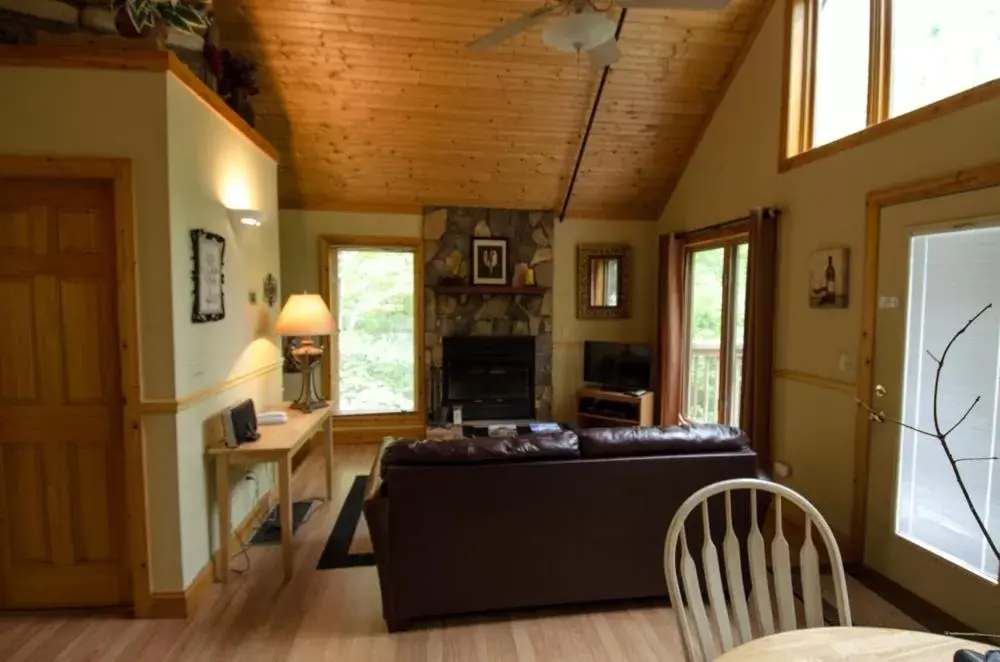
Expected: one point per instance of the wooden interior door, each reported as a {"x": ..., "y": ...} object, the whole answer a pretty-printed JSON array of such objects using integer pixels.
[{"x": 62, "y": 533}]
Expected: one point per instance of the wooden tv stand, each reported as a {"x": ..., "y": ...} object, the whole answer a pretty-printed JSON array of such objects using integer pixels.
[{"x": 596, "y": 408}]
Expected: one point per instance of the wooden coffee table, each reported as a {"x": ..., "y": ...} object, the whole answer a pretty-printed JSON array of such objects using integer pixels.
[{"x": 448, "y": 432}]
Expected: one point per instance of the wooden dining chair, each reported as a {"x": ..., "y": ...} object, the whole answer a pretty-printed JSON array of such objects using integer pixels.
[{"x": 746, "y": 617}]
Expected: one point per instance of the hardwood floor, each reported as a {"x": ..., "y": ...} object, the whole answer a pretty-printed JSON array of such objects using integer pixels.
[{"x": 334, "y": 615}]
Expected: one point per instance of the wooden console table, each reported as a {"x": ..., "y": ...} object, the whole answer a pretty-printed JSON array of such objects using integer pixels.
[
  {"x": 639, "y": 408},
  {"x": 277, "y": 443}
]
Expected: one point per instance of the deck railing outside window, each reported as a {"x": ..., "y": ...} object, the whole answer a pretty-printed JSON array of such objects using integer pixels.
[{"x": 704, "y": 376}]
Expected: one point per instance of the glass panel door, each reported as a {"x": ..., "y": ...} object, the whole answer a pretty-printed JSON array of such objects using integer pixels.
[
  {"x": 705, "y": 294},
  {"x": 375, "y": 347},
  {"x": 933, "y": 277},
  {"x": 953, "y": 275},
  {"x": 716, "y": 316}
]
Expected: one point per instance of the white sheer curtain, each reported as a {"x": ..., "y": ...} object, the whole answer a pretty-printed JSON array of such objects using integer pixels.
[{"x": 953, "y": 275}]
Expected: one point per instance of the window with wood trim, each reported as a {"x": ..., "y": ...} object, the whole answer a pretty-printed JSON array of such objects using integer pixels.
[
  {"x": 374, "y": 354},
  {"x": 715, "y": 314},
  {"x": 852, "y": 64}
]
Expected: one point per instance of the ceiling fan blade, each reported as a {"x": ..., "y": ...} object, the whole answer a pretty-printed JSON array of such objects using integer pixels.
[
  {"x": 673, "y": 4},
  {"x": 508, "y": 30},
  {"x": 606, "y": 54}
]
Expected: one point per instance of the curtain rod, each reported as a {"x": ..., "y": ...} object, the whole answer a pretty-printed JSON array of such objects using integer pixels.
[
  {"x": 766, "y": 212},
  {"x": 590, "y": 123}
]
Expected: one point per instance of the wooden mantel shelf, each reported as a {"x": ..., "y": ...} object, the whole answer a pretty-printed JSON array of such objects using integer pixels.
[{"x": 528, "y": 290}]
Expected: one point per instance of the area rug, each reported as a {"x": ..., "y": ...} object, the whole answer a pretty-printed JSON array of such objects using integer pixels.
[{"x": 349, "y": 545}]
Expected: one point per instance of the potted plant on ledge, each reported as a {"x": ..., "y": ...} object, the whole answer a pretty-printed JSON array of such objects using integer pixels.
[{"x": 145, "y": 18}]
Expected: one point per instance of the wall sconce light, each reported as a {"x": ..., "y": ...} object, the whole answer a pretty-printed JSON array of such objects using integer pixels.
[{"x": 249, "y": 217}]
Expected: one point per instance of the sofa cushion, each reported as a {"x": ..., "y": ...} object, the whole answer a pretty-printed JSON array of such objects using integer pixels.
[
  {"x": 557, "y": 446},
  {"x": 674, "y": 440}
]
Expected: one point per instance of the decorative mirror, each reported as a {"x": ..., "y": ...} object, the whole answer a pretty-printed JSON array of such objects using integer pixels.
[{"x": 603, "y": 272}]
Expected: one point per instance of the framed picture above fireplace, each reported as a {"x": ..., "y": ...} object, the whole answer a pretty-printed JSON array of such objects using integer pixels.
[{"x": 489, "y": 261}]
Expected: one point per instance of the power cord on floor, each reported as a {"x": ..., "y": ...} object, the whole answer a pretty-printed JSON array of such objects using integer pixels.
[
  {"x": 270, "y": 517},
  {"x": 245, "y": 544}
]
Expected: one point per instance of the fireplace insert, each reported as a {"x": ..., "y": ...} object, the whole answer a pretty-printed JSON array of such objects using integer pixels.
[{"x": 491, "y": 378}]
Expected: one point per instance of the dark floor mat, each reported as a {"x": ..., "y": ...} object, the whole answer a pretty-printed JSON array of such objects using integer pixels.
[
  {"x": 269, "y": 532},
  {"x": 337, "y": 554}
]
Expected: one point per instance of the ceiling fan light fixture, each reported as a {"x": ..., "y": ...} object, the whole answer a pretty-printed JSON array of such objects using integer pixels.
[{"x": 579, "y": 32}]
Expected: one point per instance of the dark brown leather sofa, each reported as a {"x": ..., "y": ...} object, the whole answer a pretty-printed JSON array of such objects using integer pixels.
[{"x": 476, "y": 525}]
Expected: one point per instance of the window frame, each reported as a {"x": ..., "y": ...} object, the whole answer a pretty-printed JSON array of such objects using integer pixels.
[
  {"x": 729, "y": 239},
  {"x": 383, "y": 421},
  {"x": 799, "y": 82}
]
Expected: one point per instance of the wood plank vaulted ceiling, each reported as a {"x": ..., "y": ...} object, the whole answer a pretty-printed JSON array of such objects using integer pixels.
[{"x": 375, "y": 105}]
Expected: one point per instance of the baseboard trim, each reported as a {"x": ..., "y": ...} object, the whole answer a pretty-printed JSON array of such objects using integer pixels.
[
  {"x": 167, "y": 604},
  {"x": 183, "y": 604},
  {"x": 198, "y": 589},
  {"x": 374, "y": 435},
  {"x": 246, "y": 526},
  {"x": 929, "y": 616}
]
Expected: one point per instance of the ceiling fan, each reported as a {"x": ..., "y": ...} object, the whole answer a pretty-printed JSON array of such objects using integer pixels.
[{"x": 581, "y": 26}]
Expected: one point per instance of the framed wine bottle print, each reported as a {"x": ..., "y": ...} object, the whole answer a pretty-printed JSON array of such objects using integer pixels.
[{"x": 828, "y": 271}]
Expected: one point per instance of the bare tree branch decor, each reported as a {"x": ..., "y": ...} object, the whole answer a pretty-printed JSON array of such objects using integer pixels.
[{"x": 938, "y": 433}]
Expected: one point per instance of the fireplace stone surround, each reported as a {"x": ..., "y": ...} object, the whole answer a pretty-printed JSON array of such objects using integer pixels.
[{"x": 448, "y": 233}]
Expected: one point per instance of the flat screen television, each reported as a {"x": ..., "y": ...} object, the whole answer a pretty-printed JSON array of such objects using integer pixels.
[{"x": 618, "y": 366}]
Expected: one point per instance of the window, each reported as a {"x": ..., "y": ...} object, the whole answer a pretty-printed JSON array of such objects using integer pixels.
[
  {"x": 374, "y": 368},
  {"x": 856, "y": 63},
  {"x": 715, "y": 314},
  {"x": 841, "y": 103},
  {"x": 951, "y": 274},
  {"x": 941, "y": 48}
]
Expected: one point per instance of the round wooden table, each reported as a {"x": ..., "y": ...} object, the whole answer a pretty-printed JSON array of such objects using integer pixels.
[{"x": 856, "y": 644}]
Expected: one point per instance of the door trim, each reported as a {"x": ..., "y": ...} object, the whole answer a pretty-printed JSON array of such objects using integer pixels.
[
  {"x": 418, "y": 417},
  {"x": 118, "y": 172},
  {"x": 961, "y": 181}
]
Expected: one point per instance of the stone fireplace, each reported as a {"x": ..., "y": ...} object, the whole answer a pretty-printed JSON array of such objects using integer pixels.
[{"x": 451, "y": 318}]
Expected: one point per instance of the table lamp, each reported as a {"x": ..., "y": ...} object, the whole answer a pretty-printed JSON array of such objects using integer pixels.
[{"x": 304, "y": 316}]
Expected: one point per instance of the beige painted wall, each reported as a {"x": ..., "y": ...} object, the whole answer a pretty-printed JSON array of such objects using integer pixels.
[
  {"x": 63, "y": 112},
  {"x": 212, "y": 167},
  {"x": 568, "y": 332},
  {"x": 300, "y": 231},
  {"x": 735, "y": 169},
  {"x": 80, "y": 112}
]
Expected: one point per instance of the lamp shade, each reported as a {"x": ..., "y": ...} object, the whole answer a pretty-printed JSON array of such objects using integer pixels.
[
  {"x": 305, "y": 315},
  {"x": 579, "y": 32}
]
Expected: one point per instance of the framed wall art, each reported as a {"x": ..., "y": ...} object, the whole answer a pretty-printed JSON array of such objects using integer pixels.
[
  {"x": 489, "y": 261},
  {"x": 828, "y": 278},
  {"x": 209, "y": 258}
]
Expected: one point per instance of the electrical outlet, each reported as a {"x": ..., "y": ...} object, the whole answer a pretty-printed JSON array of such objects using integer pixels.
[{"x": 782, "y": 470}]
